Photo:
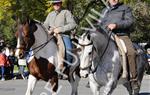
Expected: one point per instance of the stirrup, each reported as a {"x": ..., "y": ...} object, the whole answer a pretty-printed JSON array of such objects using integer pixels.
[
  {"x": 61, "y": 75},
  {"x": 135, "y": 84}
]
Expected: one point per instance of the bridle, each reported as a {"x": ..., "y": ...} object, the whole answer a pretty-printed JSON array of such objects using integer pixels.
[
  {"x": 37, "y": 48},
  {"x": 92, "y": 57},
  {"x": 83, "y": 46}
]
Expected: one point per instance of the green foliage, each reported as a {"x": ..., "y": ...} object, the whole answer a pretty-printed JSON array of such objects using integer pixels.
[
  {"x": 6, "y": 22},
  {"x": 141, "y": 11},
  {"x": 38, "y": 9}
]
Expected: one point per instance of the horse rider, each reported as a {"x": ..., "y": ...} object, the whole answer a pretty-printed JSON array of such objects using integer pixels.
[
  {"x": 118, "y": 18},
  {"x": 61, "y": 22}
]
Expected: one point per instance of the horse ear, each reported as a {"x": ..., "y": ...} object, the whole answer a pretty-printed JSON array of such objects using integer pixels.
[
  {"x": 92, "y": 35},
  {"x": 33, "y": 26},
  {"x": 88, "y": 37},
  {"x": 95, "y": 40}
]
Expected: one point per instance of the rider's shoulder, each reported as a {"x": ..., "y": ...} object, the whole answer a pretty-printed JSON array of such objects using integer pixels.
[
  {"x": 66, "y": 11},
  {"x": 124, "y": 7},
  {"x": 51, "y": 13}
]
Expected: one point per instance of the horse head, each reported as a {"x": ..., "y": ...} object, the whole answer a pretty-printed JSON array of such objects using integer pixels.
[
  {"x": 86, "y": 46},
  {"x": 93, "y": 46},
  {"x": 25, "y": 37}
]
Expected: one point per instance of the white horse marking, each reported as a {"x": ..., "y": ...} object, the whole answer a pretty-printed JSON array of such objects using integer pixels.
[
  {"x": 31, "y": 84},
  {"x": 115, "y": 55}
]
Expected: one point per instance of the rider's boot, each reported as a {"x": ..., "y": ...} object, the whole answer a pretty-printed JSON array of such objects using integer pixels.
[
  {"x": 147, "y": 68},
  {"x": 133, "y": 77},
  {"x": 134, "y": 83}
]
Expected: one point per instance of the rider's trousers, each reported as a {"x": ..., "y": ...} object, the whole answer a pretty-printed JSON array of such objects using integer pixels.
[
  {"x": 69, "y": 47},
  {"x": 131, "y": 56}
]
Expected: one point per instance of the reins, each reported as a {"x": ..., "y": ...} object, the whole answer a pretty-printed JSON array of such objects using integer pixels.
[
  {"x": 109, "y": 37},
  {"x": 40, "y": 46}
]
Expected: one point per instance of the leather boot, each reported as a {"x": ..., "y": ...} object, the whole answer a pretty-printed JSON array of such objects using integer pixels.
[{"x": 135, "y": 84}]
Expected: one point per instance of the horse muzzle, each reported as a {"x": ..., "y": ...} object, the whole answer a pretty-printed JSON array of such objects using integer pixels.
[
  {"x": 84, "y": 73},
  {"x": 19, "y": 53}
]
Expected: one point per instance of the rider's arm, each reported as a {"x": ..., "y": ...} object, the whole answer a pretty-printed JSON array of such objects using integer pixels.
[
  {"x": 46, "y": 23},
  {"x": 69, "y": 23},
  {"x": 127, "y": 20}
]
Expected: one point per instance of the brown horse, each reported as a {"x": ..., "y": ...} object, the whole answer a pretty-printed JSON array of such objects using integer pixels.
[{"x": 41, "y": 50}]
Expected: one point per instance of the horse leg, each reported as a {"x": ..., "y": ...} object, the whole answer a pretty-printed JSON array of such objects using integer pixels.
[
  {"x": 95, "y": 88},
  {"x": 110, "y": 86},
  {"x": 136, "y": 91},
  {"x": 93, "y": 85},
  {"x": 128, "y": 87},
  {"x": 74, "y": 81},
  {"x": 54, "y": 85},
  {"x": 31, "y": 84}
]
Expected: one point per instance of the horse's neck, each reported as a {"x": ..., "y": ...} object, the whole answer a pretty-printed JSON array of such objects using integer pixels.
[
  {"x": 41, "y": 37},
  {"x": 105, "y": 46},
  {"x": 108, "y": 54}
]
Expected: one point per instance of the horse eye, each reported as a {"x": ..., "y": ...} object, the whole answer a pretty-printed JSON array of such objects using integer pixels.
[
  {"x": 90, "y": 53},
  {"x": 88, "y": 37}
]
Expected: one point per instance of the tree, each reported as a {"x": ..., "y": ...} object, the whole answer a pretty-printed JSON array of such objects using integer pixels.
[
  {"x": 6, "y": 23},
  {"x": 141, "y": 11},
  {"x": 38, "y": 9}
]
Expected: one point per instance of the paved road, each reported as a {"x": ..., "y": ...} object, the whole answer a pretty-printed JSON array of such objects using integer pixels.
[{"x": 18, "y": 87}]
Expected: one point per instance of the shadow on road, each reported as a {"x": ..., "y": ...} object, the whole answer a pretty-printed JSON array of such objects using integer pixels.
[{"x": 144, "y": 93}]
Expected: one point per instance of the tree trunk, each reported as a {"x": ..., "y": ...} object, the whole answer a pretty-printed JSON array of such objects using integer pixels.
[{"x": 70, "y": 5}]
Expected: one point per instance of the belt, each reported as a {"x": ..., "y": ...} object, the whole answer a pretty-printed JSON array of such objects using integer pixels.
[{"x": 121, "y": 34}]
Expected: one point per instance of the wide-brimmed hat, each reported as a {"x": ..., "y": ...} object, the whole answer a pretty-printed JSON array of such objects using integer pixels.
[{"x": 56, "y": 1}]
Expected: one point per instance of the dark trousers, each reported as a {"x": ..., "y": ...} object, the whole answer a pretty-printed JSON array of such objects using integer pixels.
[{"x": 131, "y": 56}]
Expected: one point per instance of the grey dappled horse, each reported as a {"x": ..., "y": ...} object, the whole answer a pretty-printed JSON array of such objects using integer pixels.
[
  {"x": 101, "y": 61},
  {"x": 33, "y": 38}
]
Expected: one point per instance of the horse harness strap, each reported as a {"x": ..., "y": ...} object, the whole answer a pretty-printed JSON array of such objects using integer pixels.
[
  {"x": 40, "y": 46},
  {"x": 45, "y": 43},
  {"x": 85, "y": 44}
]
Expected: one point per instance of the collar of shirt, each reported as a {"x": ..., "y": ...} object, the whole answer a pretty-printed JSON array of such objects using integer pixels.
[
  {"x": 115, "y": 6},
  {"x": 58, "y": 11}
]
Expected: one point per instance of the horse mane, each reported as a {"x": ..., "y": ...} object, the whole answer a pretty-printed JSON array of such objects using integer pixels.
[
  {"x": 101, "y": 41},
  {"x": 38, "y": 23}
]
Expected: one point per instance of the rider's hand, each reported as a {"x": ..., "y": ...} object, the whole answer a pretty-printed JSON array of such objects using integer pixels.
[
  {"x": 112, "y": 26},
  {"x": 51, "y": 31},
  {"x": 56, "y": 30}
]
